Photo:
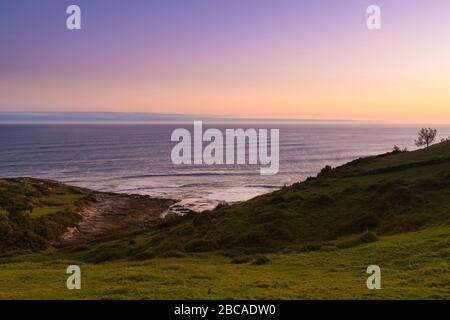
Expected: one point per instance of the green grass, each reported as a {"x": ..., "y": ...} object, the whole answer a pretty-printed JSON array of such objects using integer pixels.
[
  {"x": 43, "y": 211},
  {"x": 56, "y": 203},
  {"x": 413, "y": 266}
]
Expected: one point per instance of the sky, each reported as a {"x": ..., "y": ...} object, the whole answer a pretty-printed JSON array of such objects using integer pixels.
[{"x": 311, "y": 59}]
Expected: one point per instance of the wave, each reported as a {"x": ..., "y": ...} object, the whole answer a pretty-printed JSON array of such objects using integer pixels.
[
  {"x": 191, "y": 174},
  {"x": 147, "y": 187}
]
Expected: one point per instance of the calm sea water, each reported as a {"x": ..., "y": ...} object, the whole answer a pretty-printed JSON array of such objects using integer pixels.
[{"x": 136, "y": 158}]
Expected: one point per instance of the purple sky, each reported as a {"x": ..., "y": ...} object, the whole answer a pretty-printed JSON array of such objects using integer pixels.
[{"x": 287, "y": 58}]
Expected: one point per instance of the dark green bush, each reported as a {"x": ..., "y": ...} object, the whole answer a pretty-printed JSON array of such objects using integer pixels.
[
  {"x": 172, "y": 254},
  {"x": 221, "y": 205},
  {"x": 253, "y": 238},
  {"x": 368, "y": 237},
  {"x": 309, "y": 247},
  {"x": 201, "y": 219},
  {"x": 323, "y": 200},
  {"x": 146, "y": 255},
  {"x": 260, "y": 260},
  {"x": 168, "y": 245},
  {"x": 325, "y": 171},
  {"x": 200, "y": 245},
  {"x": 277, "y": 198},
  {"x": 366, "y": 222},
  {"x": 241, "y": 260}
]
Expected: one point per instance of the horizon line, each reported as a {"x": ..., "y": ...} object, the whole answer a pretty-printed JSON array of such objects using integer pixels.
[{"x": 121, "y": 117}]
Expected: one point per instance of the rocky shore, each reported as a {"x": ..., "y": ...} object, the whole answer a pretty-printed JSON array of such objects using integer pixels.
[{"x": 111, "y": 214}]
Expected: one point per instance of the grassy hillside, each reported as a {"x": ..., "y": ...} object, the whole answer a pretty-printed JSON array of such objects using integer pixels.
[
  {"x": 310, "y": 240},
  {"x": 342, "y": 207},
  {"x": 34, "y": 213}
]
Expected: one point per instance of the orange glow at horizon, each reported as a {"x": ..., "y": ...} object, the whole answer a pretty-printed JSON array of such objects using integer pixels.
[{"x": 398, "y": 100}]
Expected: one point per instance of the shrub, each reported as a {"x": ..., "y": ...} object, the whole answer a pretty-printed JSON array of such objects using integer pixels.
[
  {"x": 366, "y": 222},
  {"x": 167, "y": 246},
  {"x": 79, "y": 248},
  {"x": 171, "y": 220},
  {"x": 310, "y": 247},
  {"x": 400, "y": 195},
  {"x": 278, "y": 230},
  {"x": 428, "y": 184},
  {"x": 325, "y": 171},
  {"x": 201, "y": 219},
  {"x": 146, "y": 255},
  {"x": 368, "y": 237},
  {"x": 260, "y": 260},
  {"x": 254, "y": 238},
  {"x": 403, "y": 224},
  {"x": 6, "y": 231},
  {"x": 275, "y": 199},
  {"x": 396, "y": 149},
  {"x": 323, "y": 200},
  {"x": 241, "y": 260},
  {"x": 171, "y": 254},
  {"x": 267, "y": 216},
  {"x": 353, "y": 189},
  {"x": 105, "y": 253},
  {"x": 200, "y": 245},
  {"x": 221, "y": 205},
  {"x": 329, "y": 248}
]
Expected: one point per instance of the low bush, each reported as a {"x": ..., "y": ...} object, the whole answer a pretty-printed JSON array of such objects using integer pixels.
[
  {"x": 260, "y": 260},
  {"x": 366, "y": 222},
  {"x": 325, "y": 171},
  {"x": 241, "y": 260},
  {"x": 171, "y": 254},
  {"x": 276, "y": 199},
  {"x": 200, "y": 245},
  {"x": 146, "y": 255},
  {"x": 365, "y": 237},
  {"x": 323, "y": 200},
  {"x": 252, "y": 238},
  {"x": 309, "y": 247}
]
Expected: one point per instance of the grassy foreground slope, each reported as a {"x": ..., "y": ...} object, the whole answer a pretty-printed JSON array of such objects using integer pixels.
[{"x": 413, "y": 266}]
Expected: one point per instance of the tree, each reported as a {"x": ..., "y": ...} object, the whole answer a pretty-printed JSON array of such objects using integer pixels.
[{"x": 426, "y": 137}]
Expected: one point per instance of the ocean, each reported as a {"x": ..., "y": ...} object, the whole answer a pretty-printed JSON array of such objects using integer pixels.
[{"x": 135, "y": 158}]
